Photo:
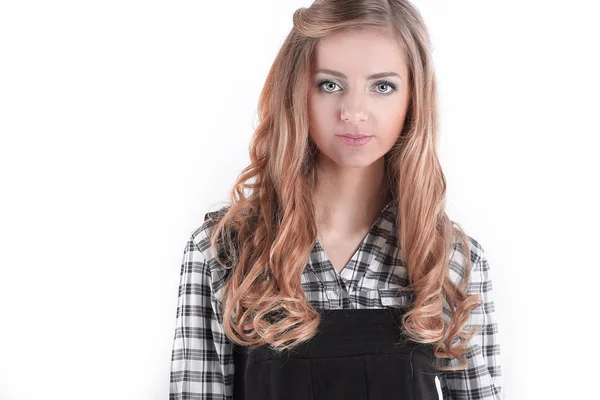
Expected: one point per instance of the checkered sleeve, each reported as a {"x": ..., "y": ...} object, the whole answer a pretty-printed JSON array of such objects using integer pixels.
[
  {"x": 202, "y": 356},
  {"x": 482, "y": 379}
]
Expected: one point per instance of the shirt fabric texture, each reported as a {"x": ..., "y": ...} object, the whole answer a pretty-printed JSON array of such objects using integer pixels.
[{"x": 202, "y": 362}]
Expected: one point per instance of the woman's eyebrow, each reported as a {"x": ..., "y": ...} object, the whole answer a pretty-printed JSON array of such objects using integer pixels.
[{"x": 372, "y": 76}]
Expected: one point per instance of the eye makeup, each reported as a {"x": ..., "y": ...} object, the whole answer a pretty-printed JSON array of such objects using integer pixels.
[{"x": 322, "y": 82}]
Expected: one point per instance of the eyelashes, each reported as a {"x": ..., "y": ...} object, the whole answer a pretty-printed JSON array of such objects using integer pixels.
[{"x": 381, "y": 82}]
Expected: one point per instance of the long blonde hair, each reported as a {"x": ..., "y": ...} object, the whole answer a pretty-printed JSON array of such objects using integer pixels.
[{"x": 268, "y": 233}]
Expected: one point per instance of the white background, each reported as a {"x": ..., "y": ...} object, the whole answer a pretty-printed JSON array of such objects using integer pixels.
[{"x": 123, "y": 122}]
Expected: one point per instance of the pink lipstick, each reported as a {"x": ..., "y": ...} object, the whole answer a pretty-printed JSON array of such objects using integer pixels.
[{"x": 354, "y": 140}]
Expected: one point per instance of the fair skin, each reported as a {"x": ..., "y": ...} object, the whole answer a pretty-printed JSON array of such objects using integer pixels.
[{"x": 350, "y": 189}]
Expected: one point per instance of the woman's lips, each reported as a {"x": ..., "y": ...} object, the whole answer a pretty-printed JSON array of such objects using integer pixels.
[
  {"x": 353, "y": 136},
  {"x": 355, "y": 140}
]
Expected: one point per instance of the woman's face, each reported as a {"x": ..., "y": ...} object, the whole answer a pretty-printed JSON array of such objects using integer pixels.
[{"x": 359, "y": 85}]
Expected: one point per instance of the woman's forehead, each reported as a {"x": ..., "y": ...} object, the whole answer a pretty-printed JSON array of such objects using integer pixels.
[{"x": 359, "y": 53}]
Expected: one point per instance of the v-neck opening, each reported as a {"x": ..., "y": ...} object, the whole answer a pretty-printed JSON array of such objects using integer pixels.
[{"x": 359, "y": 249}]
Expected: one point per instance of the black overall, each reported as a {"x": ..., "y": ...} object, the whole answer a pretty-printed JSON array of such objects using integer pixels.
[{"x": 357, "y": 354}]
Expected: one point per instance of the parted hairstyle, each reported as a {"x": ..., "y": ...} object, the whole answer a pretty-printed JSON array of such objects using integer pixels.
[{"x": 269, "y": 229}]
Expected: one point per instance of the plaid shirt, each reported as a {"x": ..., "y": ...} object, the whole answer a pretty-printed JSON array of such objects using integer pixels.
[{"x": 202, "y": 365}]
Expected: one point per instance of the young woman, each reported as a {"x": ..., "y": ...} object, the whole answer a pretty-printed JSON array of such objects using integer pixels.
[{"x": 339, "y": 276}]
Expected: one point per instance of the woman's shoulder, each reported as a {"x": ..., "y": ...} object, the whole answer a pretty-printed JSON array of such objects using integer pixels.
[
  {"x": 212, "y": 216},
  {"x": 459, "y": 253},
  {"x": 201, "y": 235},
  {"x": 479, "y": 282}
]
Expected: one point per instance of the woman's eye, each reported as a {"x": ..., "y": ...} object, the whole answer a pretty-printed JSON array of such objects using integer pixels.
[
  {"x": 384, "y": 86},
  {"x": 329, "y": 85},
  {"x": 387, "y": 84}
]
